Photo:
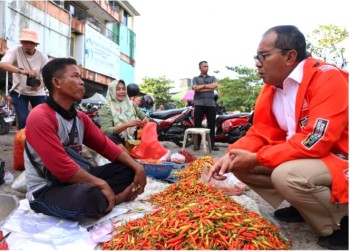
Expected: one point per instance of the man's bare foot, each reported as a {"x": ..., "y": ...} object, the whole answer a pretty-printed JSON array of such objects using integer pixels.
[{"x": 127, "y": 195}]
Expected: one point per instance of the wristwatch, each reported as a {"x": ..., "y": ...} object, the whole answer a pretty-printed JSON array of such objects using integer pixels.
[{"x": 20, "y": 70}]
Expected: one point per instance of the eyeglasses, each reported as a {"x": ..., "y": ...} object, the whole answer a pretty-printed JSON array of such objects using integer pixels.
[{"x": 260, "y": 57}]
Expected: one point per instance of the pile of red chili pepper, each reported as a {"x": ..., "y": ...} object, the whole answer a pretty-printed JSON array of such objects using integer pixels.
[
  {"x": 189, "y": 157},
  {"x": 193, "y": 215},
  {"x": 195, "y": 168}
]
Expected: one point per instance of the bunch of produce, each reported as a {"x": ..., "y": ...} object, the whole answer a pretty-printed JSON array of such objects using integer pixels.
[
  {"x": 195, "y": 168},
  {"x": 149, "y": 161},
  {"x": 189, "y": 157},
  {"x": 193, "y": 215}
]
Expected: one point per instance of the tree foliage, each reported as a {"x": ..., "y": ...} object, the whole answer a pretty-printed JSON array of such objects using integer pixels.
[
  {"x": 240, "y": 93},
  {"x": 158, "y": 88},
  {"x": 325, "y": 43}
]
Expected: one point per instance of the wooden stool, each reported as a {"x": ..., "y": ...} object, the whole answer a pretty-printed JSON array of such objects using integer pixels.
[{"x": 205, "y": 133}]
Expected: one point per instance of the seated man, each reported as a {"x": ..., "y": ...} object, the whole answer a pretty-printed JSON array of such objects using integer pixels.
[
  {"x": 57, "y": 185},
  {"x": 297, "y": 148}
]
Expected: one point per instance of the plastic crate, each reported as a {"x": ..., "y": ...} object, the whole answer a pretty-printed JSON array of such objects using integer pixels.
[{"x": 158, "y": 171}]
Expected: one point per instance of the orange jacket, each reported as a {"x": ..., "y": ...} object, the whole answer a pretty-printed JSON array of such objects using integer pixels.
[{"x": 321, "y": 113}]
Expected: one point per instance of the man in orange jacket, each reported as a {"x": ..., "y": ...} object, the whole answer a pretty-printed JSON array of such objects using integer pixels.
[{"x": 297, "y": 148}]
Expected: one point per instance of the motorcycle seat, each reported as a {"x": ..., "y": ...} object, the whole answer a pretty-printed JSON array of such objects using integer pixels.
[
  {"x": 165, "y": 114},
  {"x": 222, "y": 118}
]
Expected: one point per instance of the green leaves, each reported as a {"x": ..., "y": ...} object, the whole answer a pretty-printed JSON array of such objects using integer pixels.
[
  {"x": 158, "y": 88},
  {"x": 326, "y": 43},
  {"x": 240, "y": 93}
]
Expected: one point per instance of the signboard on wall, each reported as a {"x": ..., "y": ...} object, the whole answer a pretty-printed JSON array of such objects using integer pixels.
[{"x": 101, "y": 54}]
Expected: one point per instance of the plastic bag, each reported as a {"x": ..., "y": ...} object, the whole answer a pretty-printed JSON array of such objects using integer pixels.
[
  {"x": 177, "y": 158},
  {"x": 3, "y": 244},
  {"x": 8, "y": 177},
  {"x": 20, "y": 183},
  {"x": 230, "y": 186},
  {"x": 166, "y": 156},
  {"x": 150, "y": 147},
  {"x": 18, "y": 150}
]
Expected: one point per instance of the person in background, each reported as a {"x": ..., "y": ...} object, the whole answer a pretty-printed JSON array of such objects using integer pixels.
[
  {"x": 57, "y": 185},
  {"x": 204, "y": 104},
  {"x": 25, "y": 61},
  {"x": 297, "y": 147},
  {"x": 161, "y": 107},
  {"x": 133, "y": 92},
  {"x": 120, "y": 117},
  {"x": 146, "y": 105}
]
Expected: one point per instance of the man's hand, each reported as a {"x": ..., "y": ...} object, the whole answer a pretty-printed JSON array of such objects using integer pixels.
[
  {"x": 196, "y": 88},
  {"x": 139, "y": 179},
  {"x": 220, "y": 168},
  {"x": 84, "y": 177},
  {"x": 243, "y": 160},
  {"x": 139, "y": 183},
  {"x": 29, "y": 73},
  {"x": 109, "y": 194}
]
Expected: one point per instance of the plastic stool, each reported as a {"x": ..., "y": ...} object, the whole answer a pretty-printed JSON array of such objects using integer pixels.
[{"x": 205, "y": 133}]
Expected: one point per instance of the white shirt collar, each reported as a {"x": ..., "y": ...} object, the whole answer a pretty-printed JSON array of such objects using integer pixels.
[{"x": 297, "y": 73}]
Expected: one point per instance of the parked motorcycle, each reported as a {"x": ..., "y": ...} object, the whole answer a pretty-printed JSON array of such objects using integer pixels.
[
  {"x": 231, "y": 127},
  {"x": 172, "y": 124},
  {"x": 7, "y": 118},
  {"x": 92, "y": 112}
]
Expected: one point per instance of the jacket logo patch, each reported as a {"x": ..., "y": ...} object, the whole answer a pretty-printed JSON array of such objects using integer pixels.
[
  {"x": 325, "y": 68},
  {"x": 303, "y": 121},
  {"x": 317, "y": 134}
]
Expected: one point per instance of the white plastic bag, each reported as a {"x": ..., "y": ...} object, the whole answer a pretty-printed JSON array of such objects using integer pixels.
[
  {"x": 177, "y": 158},
  {"x": 230, "y": 186},
  {"x": 20, "y": 183},
  {"x": 165, "y": 156},
  {"x": 8, "y": 177}
]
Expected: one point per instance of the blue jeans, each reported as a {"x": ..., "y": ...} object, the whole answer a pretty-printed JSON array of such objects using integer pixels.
[{"x": 21, "y": 102}]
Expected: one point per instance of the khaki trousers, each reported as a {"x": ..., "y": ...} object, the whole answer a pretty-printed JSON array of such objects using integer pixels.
[{"x": 305, "y": 184}]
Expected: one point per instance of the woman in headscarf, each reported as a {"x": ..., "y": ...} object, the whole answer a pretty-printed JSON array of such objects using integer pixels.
[{"x": 120, "y": 117}]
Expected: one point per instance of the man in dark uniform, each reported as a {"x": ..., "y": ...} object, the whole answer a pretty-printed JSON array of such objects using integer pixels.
[{"x": 204, "y": 104}]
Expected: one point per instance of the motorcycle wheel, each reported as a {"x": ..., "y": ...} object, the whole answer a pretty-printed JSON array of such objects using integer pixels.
[
  {"x": 4, "y": 127},
  {"x": 189, "y": 142}
]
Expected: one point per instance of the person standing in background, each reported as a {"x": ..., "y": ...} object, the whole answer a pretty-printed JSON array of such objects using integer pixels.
[
  {"x": 204, "y": 104},
  {"x": 25, "y": 62}
]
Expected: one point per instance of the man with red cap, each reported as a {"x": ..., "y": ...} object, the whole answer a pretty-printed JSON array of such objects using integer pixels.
[{"x": 25, "y": 62}]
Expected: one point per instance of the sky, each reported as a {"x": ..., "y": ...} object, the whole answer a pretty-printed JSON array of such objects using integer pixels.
[{"x": 173, "y": 36}]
